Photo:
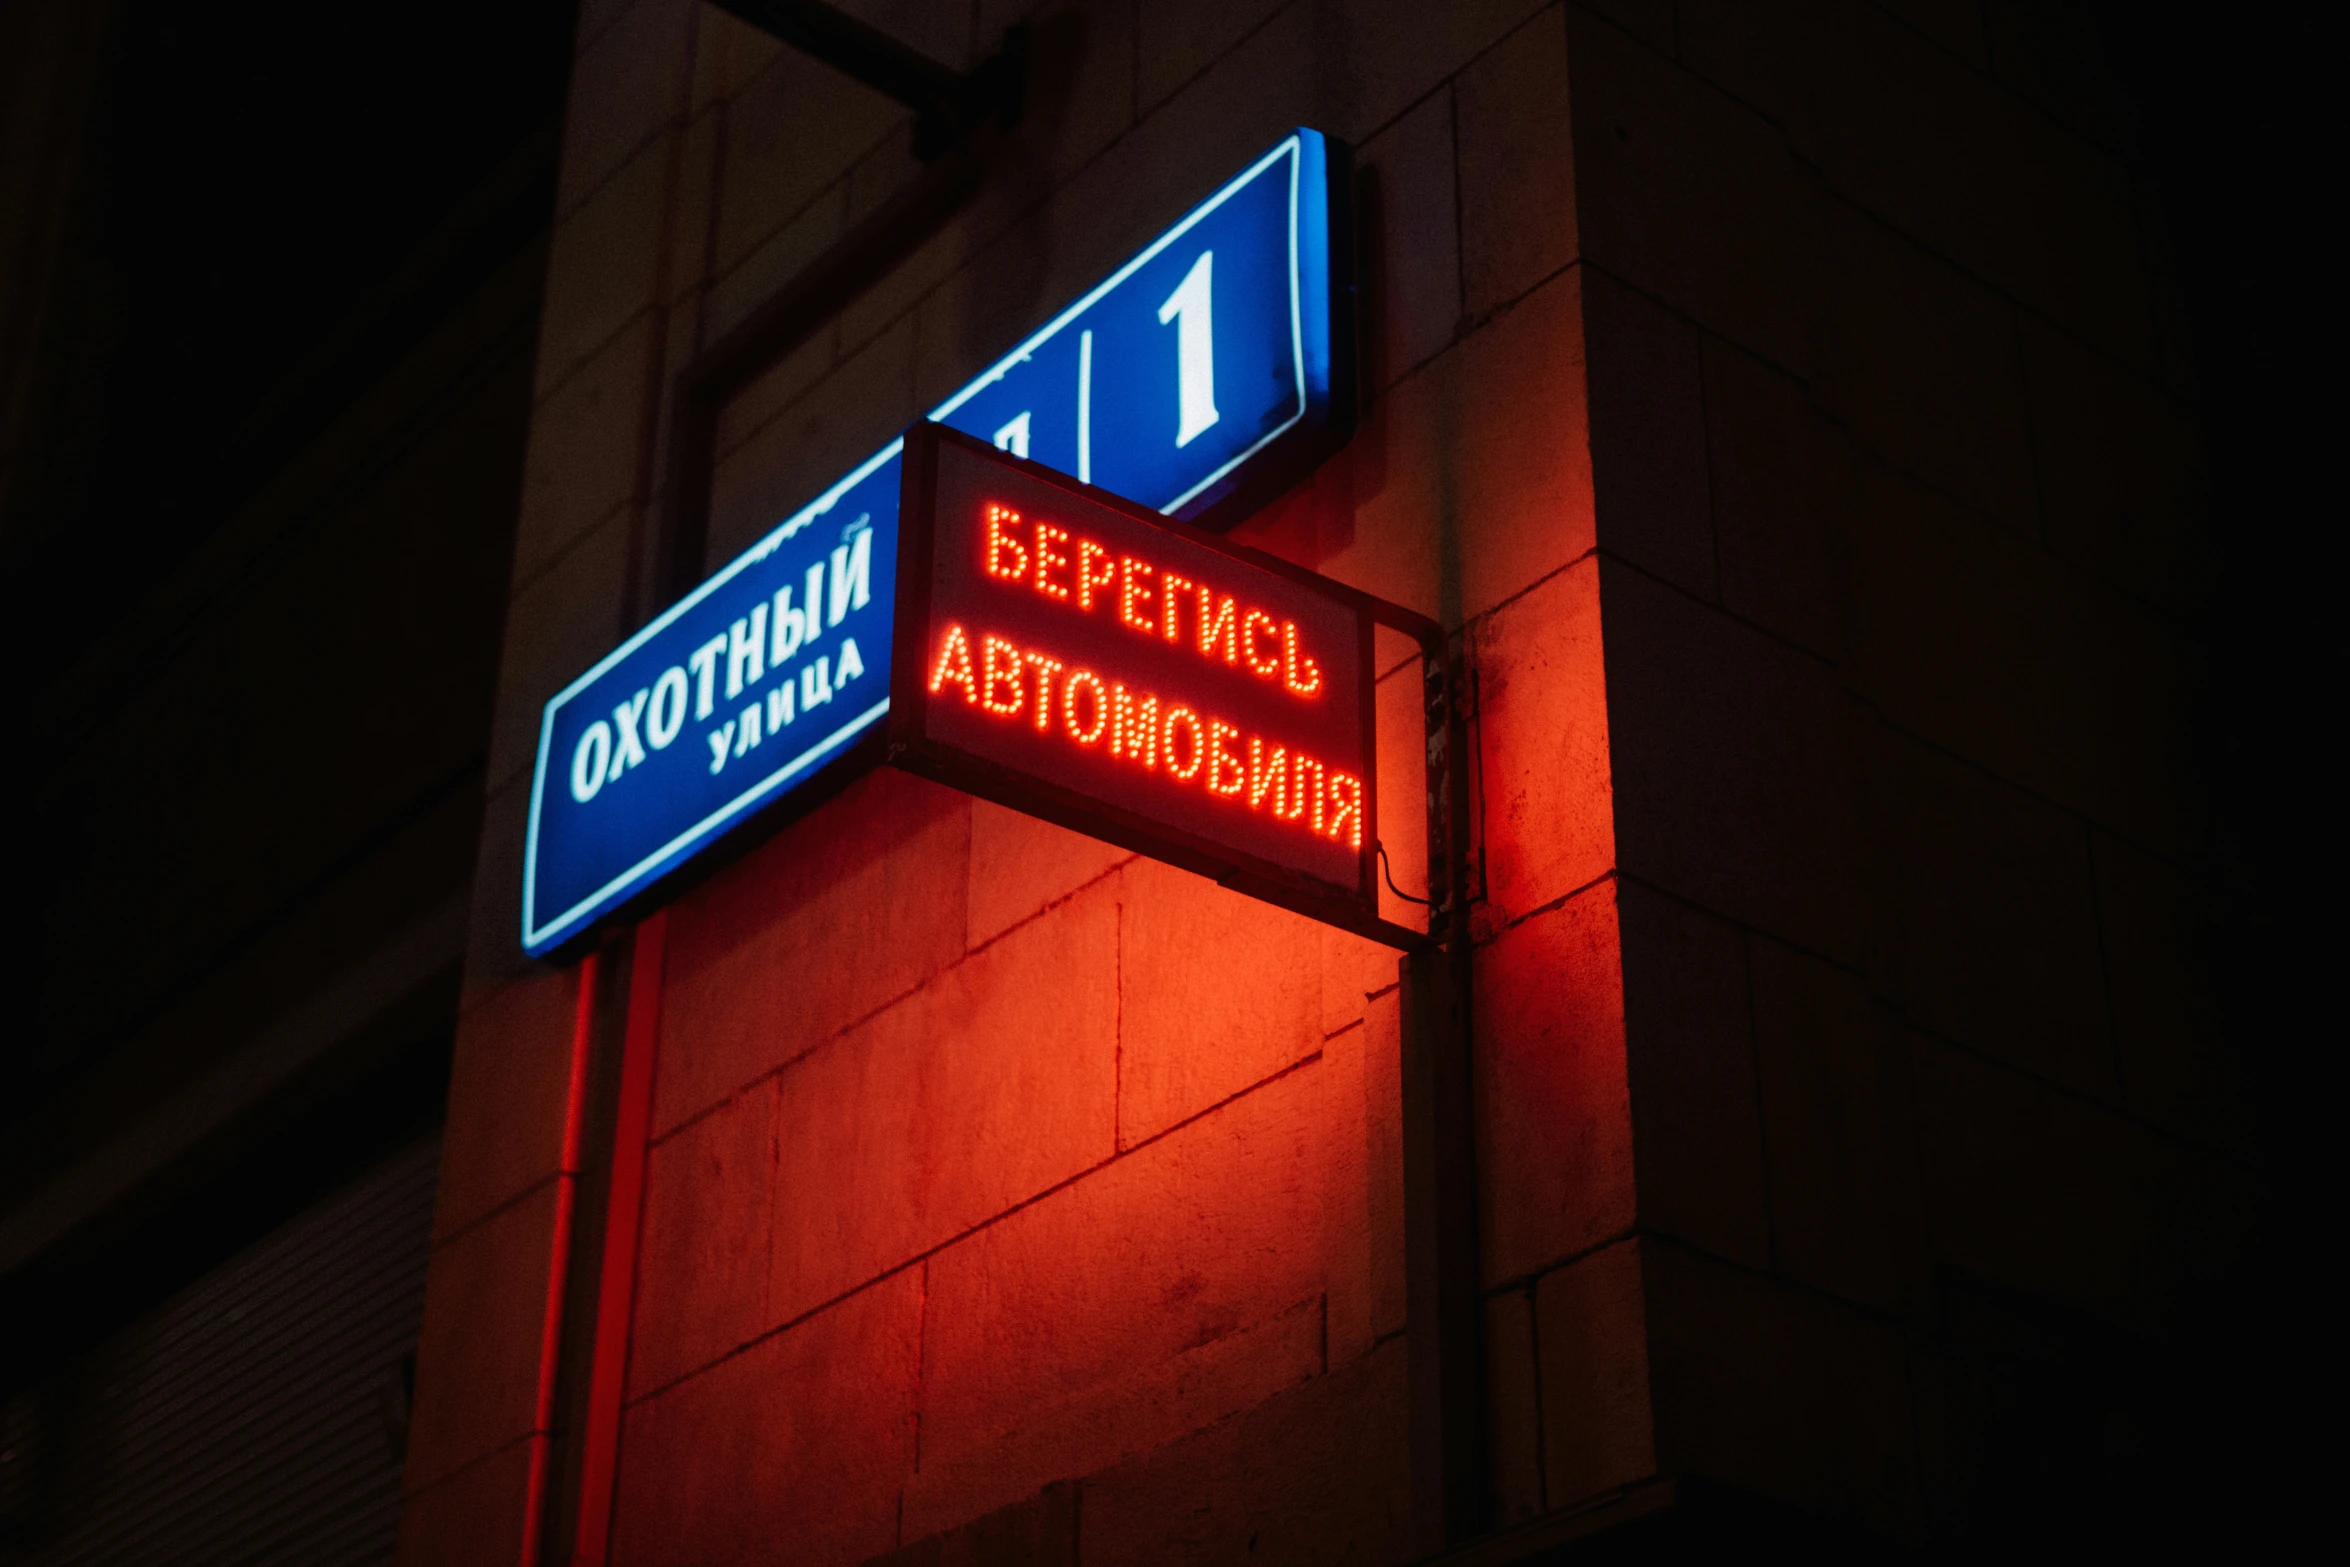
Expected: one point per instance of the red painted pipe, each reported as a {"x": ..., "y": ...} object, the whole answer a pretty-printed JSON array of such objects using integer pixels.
[
  {"x": 616, "y": 1294},
  {"x": 542, "y": 1427}
]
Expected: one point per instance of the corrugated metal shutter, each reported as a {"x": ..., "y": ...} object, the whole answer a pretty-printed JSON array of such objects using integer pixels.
[{"x": 257, "y": 1416}]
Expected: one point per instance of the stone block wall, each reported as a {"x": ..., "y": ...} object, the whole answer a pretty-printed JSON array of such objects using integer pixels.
[
  {"x": 1900, "y": 527},
  {"x": 1782, "y": 410}
]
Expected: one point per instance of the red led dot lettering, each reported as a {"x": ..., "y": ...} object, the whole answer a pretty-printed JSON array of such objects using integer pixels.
[
  {"x": 1085, "y": 681},
  {"x": 1285, "y": 784},
  {"x": 1171, "y": 587},
  {"x": 1221, "y": 628},
  {"x": 1007, "y": 558},
  {"x": 1134, "y": 727},
  {"x": 1089, "y": 556},
  {"x": 953, "y": 666},
  {"x": 1133, "y": 588},
  {"x": 1257, "y": 623},
  {"x": 1299, "y": 672},
  {"x": 1048, "y": 558},
  {"x": 1307, "y": 794},
  {"x": 1346, "y": 798},
  {"x": 1045, "y": 669},
  {"x": 1188, "y": 720},
  {"x": 1058, "y": 564},
  {"x": 1000, "y": 677},
  {"x": 1268, "y": 775},
  {"x": 1225, "y": 774}
]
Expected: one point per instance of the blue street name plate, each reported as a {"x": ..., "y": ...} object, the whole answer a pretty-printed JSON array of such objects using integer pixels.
[{"x": 1200, "y": 379}]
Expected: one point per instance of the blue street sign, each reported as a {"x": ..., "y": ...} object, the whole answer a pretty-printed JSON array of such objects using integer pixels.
[{"x": 1201, "y": 378}]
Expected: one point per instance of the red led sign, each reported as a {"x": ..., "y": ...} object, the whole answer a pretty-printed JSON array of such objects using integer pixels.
[{"x": 1069, "y": 654}]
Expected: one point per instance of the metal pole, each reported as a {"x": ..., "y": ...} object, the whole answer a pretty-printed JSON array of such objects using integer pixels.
[
  {"x": 1443, "y": 1309},
  {"x": 624, "y": 1215}
]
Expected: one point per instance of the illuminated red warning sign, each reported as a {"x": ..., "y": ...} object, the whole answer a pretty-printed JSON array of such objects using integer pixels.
[{"x": 1072, "y": 655}]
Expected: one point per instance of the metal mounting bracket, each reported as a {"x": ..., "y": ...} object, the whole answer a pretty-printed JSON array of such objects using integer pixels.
[{"x": 948, "y": 106}]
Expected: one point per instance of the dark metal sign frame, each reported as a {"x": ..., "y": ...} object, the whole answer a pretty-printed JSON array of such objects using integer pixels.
[{"x": 913, "y": 747}]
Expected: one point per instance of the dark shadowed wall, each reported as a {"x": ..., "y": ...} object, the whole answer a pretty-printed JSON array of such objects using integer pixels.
[{"x": 1791, "y": 415}]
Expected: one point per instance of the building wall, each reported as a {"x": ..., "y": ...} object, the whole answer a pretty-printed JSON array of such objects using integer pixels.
[
  {"x": 1790, "y": 418},
  {"x": 1901, "y": 554},
  {"x": 265, "y": 369},
  {"x": 256, "y": 1414}
]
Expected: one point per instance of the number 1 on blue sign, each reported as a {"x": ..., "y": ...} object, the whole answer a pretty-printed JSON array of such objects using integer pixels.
[
  {"x": 1085, "y": 406},
  {"x": 1192, "y": 308},
  {"x": 1250, "y": 285}
]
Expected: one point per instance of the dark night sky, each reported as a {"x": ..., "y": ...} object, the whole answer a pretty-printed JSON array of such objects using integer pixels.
[{"x": 269, "y": 170}]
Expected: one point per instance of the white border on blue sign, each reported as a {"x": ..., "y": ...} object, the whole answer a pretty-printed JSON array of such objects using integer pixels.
[
  {"x": 1291, "y": 148},
  {"x": 587, "y": 907}
]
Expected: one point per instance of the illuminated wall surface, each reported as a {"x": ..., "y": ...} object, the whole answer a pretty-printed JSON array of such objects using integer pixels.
[
  {"x": 1200, "y": 355},
  {"x": 1777, "y": 409}
]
